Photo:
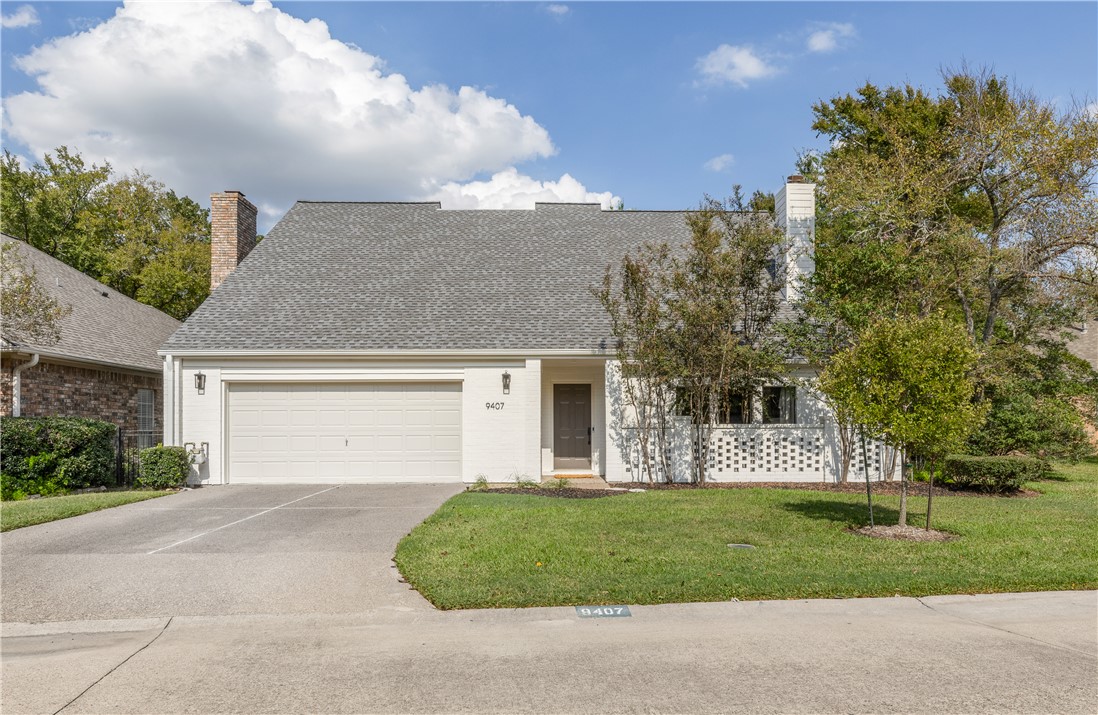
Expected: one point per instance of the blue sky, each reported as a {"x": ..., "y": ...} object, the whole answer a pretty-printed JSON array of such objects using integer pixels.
[{"x": 655, "y": 103}]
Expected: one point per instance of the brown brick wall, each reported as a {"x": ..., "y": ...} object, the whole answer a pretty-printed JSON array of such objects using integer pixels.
[
  {"x": 53, "y": 389},
  {"x": 232, "y": 233}
]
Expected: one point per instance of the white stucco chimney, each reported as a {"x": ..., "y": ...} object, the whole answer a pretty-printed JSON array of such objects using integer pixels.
[
  {"x": 232, "y": 233},
  {"x": 795, "y": 210}
]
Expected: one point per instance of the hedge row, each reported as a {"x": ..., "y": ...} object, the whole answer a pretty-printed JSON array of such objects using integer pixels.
[
  {"x": 56, "y": 455},
  {"x": 53, "y": 455},
  {"x": 993, "y": 474}
]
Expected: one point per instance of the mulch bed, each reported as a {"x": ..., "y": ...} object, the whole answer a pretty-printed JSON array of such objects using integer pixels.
[
  {"x": 914, "y": 489},
  {"x": 904, "y": 533},
  {"x": 558, "y": 492}
]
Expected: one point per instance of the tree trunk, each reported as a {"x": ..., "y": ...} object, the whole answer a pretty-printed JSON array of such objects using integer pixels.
[
  {"x": 868, "y": 490},
  {"x": 903, "y": 493},
  {"x": 846, "y": 450},
  {"x": 929, "y": 495}
]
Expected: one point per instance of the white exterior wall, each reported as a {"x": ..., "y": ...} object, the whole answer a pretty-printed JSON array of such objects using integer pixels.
[
  {"x": 795, "y": 210},
  {"x": 807, "y": 451},
  {"x": 498, "y": 442},
  {"x": 495, "y": 442},
  {"x": 592, "y": 374}
]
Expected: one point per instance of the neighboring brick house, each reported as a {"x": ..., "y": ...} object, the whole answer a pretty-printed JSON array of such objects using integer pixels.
[{"x": 104, "y": 366}]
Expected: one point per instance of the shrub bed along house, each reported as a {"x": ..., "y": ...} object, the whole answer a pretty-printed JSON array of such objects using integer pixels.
[
  {"x": 53, "y": 455},
  {"x": 993, "y": 474}
]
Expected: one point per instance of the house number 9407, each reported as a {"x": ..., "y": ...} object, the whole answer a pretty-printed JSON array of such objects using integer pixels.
[{"x": 494, "y": 405}]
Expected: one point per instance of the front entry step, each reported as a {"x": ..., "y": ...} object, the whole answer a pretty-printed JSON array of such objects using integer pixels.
[{"x": 577, "y": 481}]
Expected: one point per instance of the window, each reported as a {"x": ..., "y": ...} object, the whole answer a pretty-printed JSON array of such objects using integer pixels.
[
  {"x": 734, "y": 409},
  {"x": 146, "y": 414},
  {"x": 780, "y": 405}
]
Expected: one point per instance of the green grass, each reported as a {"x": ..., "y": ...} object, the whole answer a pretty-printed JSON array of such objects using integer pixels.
[
  {"x": 502, "y": 550},
  {"x": 28, "y": 512}
]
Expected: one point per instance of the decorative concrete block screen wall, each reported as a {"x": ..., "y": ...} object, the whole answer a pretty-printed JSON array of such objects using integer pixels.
[{"x": 761, "y": 453}]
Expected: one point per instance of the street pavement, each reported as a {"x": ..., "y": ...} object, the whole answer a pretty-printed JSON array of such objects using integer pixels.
[{"x": 109, "y": 636}]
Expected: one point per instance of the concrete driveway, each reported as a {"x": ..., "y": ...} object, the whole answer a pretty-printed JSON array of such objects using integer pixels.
[
  {"x": 218, "y": 551},
  {"x": 283, "y": 600}
]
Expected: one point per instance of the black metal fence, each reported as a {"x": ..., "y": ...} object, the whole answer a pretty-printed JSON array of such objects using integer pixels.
[{"x": 128, "y": 453}]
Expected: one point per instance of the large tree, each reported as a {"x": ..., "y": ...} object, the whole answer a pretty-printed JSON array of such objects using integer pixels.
[
  {"x": 977, "y": 202},
  {"x": 132, "y": 233}
]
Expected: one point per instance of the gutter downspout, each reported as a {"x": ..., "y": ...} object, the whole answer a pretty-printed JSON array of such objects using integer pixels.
[{"x": 16, "y": 384}]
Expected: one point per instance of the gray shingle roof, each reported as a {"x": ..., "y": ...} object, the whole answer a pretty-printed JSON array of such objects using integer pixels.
[
  {"x": 104, "y": 325},
  {"x": 411, "y": 277}
]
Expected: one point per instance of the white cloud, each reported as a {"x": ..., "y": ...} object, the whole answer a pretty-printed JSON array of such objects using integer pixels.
[
  {"x": 509, "y": 189},
  {"x": 829, "y": 36},
  {"x": 558, "y": 10},
  {"x": 209, "y": 96},
  {"x": 734, "y": 64},
  {"x": 24, "y": 16},
  {"x": 720, "y": 163},
  {"x": 1091, "y": 110}
]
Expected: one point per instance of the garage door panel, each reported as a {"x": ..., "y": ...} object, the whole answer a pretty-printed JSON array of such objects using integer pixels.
[
  {"x": 446, "y": 443},
  {"x": 362, "y": 418},
  {"x": 332, "y": 433},
  {"x": 390, "y": 417},
  {"x": 274, "y": 418},
  {"x": 303, "y": 418},
  {"x": 331, "y": 443},
  {"x": 417, "y": 443},
  {"x": 359, "y": 443}
]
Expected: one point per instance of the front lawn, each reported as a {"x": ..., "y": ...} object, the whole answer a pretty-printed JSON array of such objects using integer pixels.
[
  {"x": 28, "y": 512},
  {"x": 513, "y": 550}
]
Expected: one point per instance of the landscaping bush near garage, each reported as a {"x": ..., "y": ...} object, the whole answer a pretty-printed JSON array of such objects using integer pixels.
[
  {"x": 163, "y": 468},
  {"x": 993, "y": 474},
  {"x": 485, "y": 550},
  {"x": 54, "y": 455}
]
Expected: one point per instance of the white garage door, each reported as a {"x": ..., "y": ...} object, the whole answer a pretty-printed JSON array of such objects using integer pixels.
[{"x": 334, "y": 433}]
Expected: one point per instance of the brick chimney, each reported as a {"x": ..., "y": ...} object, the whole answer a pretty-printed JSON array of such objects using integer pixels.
[{"x": 232, "y": 233}]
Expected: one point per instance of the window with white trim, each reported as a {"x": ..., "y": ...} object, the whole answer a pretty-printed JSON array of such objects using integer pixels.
[{"x": 146, "y": 410}]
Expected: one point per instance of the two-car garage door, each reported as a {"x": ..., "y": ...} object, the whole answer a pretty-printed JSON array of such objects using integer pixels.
[{"x": 334, "y": 433}]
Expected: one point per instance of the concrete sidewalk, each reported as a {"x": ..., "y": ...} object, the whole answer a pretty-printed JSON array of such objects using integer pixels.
[{"x": 1035, "y": 652}]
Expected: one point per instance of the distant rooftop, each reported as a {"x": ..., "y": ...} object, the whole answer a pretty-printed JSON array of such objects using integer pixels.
[{"x": 104, "y": 325}]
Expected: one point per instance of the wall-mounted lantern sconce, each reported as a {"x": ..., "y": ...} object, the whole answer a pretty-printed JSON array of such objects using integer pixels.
[
  {"x": 200, "y": 383},
  {"x": 506, "y": 383}
]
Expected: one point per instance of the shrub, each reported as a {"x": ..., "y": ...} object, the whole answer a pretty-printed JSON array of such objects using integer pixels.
[
  {"x": 1035, "y": 425},
  {"x": 993, "y": 474},
  {"x": 52, "y": 455},
  {"x": 164, "y": 468}
]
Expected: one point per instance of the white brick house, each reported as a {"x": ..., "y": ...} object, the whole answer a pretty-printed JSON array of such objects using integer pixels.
[{"x": 398, "y": 342}]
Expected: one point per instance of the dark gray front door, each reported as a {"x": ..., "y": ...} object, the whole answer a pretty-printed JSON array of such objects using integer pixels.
[{"x": 571, "y": 426}]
